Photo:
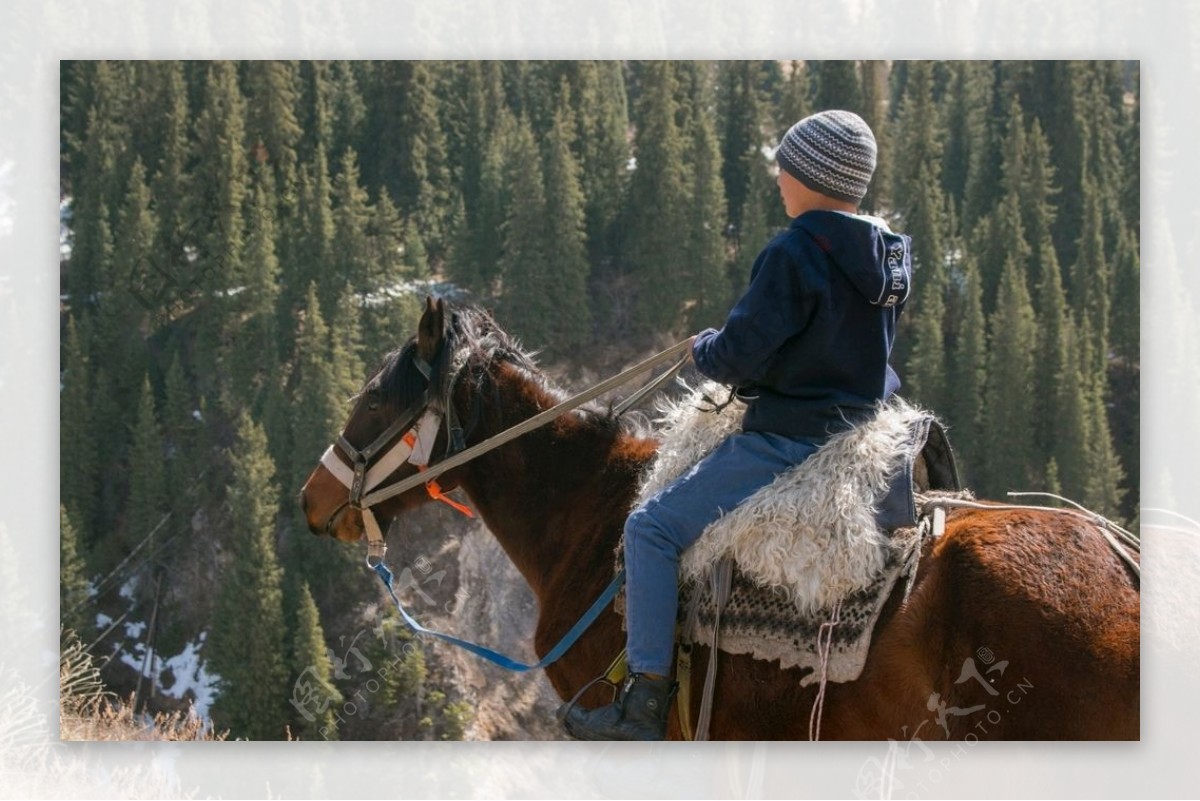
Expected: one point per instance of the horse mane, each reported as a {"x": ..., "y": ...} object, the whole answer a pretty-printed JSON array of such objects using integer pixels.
[{"x": 474, "y": 343}]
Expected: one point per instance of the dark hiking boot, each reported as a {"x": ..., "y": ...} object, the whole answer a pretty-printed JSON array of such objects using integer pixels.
[{"x": 639, "y": 713}]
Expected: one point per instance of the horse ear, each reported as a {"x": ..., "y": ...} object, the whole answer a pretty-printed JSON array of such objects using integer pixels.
[{"x": 430, "y": 330}]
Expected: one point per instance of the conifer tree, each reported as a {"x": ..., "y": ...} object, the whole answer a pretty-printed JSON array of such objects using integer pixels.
[
  {"x": 171, "y": 182},
  {"x": 704, "y": 251},
  {"x": 98, "y": 181},
  {"x": 310, "y": 663},
  {"x": 77, "y": 442},
  {"x": 316, "y": 397},
  {"x": 925, "y": 365},
  {"x": 838, "y": 86},
  {"x": 741, "y": 111},
  {"x": 1054, "y": 360},
  {"x": 602, "y": 115},
  {"x": 1126, "y": 299},
  {"x": 1102, "y": 490},
  {"x": 351, "y": 246},
  {"x": 122, "y": 315},
  {"x": 314, "y": 107},
  {"x": 1037, "y": 207},
  {"x": 966, "y": 171},
  {"x": 253, "y": 368},
  {"x": 271, "y": 118},
  {"x": 181, "y": 436},
  {"x": 72, "y": 579},
  {"x": 221, "y": 180},
  {"x": 1007, "y": 433},
  {"x": 346, "y": 346},
  {"x": 349, "y": 107},
  {"x": 794, "y": 103},
  {"x": 147, "y": 479},
  {"x": 314, "y": 257},
  {"x": 1091, "y": 279},
  {"x": 656, "y": 206},
  {"x": 525, "y": 267},
  {"x": 565, "y": 237},
  {"x": 874, "y": 113},
  {"x": 245, "y": 646},
  {"x": 967, "y": 361}
]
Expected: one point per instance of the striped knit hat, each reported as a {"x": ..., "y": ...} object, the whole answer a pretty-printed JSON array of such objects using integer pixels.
[{"x": 832, "y": 152}]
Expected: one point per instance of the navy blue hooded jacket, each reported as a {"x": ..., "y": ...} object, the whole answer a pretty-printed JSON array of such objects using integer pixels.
[{"x": 808, "y": 344}]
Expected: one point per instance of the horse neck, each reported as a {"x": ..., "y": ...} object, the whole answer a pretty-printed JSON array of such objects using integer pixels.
[{"x": 555, "y": 498}]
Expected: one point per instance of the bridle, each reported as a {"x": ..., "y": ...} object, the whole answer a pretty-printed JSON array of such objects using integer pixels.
[{"x": 412, "y": 436}]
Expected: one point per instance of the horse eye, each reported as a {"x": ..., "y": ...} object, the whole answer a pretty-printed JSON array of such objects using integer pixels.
[{"x": 373, "y": 401}]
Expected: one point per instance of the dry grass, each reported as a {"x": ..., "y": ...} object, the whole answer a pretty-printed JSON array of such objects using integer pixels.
[{"x": 87, "y": 711}]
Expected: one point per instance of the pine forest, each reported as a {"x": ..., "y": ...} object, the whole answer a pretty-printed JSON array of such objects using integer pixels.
[{"x": 242, "y": 242}]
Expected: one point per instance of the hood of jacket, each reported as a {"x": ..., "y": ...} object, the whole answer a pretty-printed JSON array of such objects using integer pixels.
[{"x": 876, "y": 261}]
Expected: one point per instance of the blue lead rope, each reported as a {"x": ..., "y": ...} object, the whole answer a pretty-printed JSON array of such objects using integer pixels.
[{"x": 589, "y": 617}]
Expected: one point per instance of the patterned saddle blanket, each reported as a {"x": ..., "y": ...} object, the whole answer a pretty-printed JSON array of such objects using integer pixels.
[{"x": 824, "y": 544}]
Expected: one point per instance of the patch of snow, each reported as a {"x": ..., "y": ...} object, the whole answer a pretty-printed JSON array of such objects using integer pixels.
[
  {"x": 135, "y": 629},
  {"x": 191, "y": 675},
  {"x": 128, "y": 588},
  {"x": 197, "y": 416},
  {"x": 92, "y": 592},
  {"x": 66, "y": 236},
  {"x": 387, "y": 294},
  {"x": 631, "y": 165},
  {"x": 103, "y": 621}
]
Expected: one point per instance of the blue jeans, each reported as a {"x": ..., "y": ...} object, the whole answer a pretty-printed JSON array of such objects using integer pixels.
[{"x": 657, "y": 532}]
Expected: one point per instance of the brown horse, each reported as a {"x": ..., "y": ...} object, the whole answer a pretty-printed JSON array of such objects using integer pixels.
[{"x": 1020, "y": 625}]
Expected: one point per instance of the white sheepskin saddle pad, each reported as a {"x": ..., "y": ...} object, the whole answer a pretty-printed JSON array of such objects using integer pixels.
[{"x": 807, "y": 549}]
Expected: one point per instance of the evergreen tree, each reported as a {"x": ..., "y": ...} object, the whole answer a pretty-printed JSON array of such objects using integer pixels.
[
  {"x": 656, "y": 209},
  {"x": 310, "y": 664},
  {"x": 794, "y": 103},
  {"x": 410, "y": 147},
  {"x": 1101, "y": 490},
  {"x": 838, "y": 86},
  {"x": 254, "y": 368},
  {"x": 525, "y": 267},
  {"x": 967, "y": 360},
  {"x": 874, "y": 113},
  {"x": 122, "y": 315},
  {"x": 741, "y": 112},
  {"x": 147, "y": 480},
  {"x": 245, "y": 646},
  {"x": 968, "y": 143},
  {"x": 271, "y": 119},
  {"x": 351, "y": 245},
  {"x": 918, "y": 138},
  {"x": 317, "y": 399},
  {"x": 565, "y": 237},
  {"x": 97, "y": 179},
  {"x": 314, "y": 107},
  {"x": 349, "y": 108},
  {"x": 602, "y": 116},
  {"x": 1091, "y": 281},
  {"x": 1007, "y": 434},
  {"x": 345, "y": 351},
  {"x": 309, "y": 239},
  {"x": 77, "y": 443},
  {"x": 925, "y": 365},
  {"x": 171, "y": 184},
  {"x": 1126, "y": 299},
  {"x": 181, "y": 436},
  {"x": 221, "y": 180},
  {"x": 1054, "y": 359},
  {"x": 704, "y": 251},
  {"x": 72, "y": 579}
]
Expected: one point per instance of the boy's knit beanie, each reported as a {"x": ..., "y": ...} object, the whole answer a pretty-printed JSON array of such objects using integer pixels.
[{"x": 832, "y": 152}]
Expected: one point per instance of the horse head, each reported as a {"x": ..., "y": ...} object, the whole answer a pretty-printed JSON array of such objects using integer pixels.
[{"x": 398, "y": 421}]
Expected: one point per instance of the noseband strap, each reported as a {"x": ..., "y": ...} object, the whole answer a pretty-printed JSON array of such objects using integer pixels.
[{"x": 411, "y": 443}]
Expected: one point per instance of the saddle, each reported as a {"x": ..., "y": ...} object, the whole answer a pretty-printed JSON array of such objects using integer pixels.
[{"x": 826, "y": 541}]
